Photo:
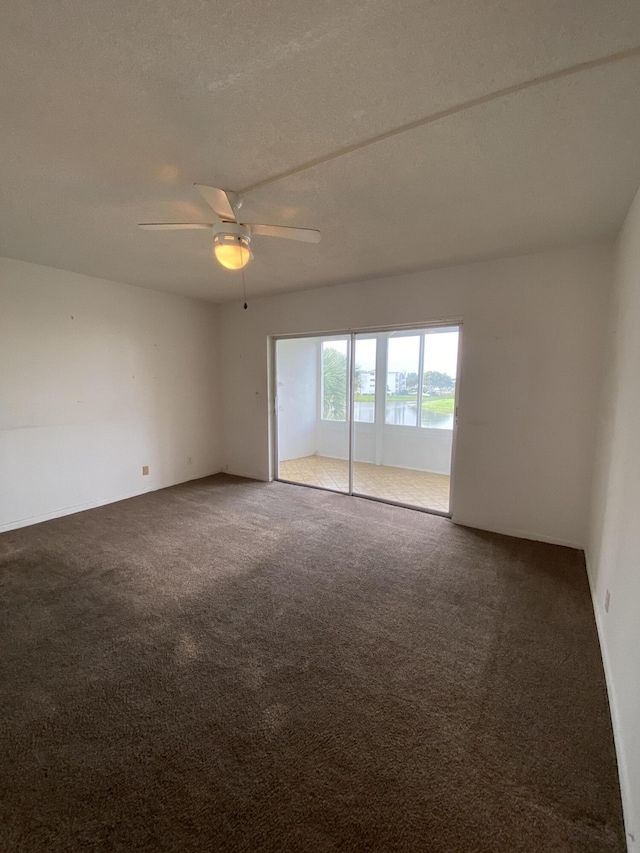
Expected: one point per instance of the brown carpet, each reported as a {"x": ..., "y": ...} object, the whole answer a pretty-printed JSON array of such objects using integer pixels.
[{"x": 238, "y": 666}]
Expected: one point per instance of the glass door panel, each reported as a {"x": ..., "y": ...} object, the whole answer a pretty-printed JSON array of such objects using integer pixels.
[
  {"x": 439, "y": 378},
  {"x": 401, "y": 391},
  {"x": 404, "y": 455},
  {"x": 437, "y": 409},
  {"x": 313, "y": 409},
  {"x": 366, "y": 406},
  {"x": 403, "y": 366},
  {"x": 364, "y": 380}
]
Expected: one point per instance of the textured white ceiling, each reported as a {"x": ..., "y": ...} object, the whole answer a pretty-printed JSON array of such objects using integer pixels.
[{"x": 111, "y": 111}]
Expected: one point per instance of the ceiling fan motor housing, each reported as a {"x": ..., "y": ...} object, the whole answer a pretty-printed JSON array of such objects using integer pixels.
[
  {"x": 231, "y": 229},
  {"x": 231, "y": 244}
]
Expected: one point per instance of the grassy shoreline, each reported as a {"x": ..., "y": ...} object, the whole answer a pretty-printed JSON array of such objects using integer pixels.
[{"x": 442, "y": 405}]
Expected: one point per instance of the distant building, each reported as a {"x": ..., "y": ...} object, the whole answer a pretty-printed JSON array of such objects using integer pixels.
[
  {"x": 367, "y": 381},
  {"x": 396, "y": 382}
]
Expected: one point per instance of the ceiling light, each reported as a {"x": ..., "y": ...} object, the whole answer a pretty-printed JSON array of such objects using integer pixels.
[
  {"x": 231, "y": 250},
  {"x": 231, "y": 239}
]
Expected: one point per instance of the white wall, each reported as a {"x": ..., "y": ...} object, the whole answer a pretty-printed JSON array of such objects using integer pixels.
[
  {"x": 418, "y": 448},
  {"x": 98, "y": 379},
  {"x": 530, "y": 368},
  {"x": 298, "y": 397},
  {"x": 613, "y": 552}
]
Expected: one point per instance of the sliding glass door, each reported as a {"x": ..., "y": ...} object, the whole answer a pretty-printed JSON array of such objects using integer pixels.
[
  {"x": 378, "y": 425},
  {"x": 313, "y": 411},
  {"x": 404, "y": 455}
]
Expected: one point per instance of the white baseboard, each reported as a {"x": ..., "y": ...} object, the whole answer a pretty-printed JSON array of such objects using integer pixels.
[
  {"x": 235, "y": 473},
  {"x": 633, "y": 841},
  {"x": 520, "y": 534},
  {"x": 69, "y": 510}
]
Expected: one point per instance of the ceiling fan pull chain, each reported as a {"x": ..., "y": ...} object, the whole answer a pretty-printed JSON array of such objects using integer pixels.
[{"x": 244, "y": 288}]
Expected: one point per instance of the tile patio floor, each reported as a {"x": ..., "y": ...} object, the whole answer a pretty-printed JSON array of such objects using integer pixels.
[{"x": 419, "y": 488}]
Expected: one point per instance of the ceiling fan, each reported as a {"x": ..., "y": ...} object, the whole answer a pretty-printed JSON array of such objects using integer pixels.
[{"x": 232, "y": 239}]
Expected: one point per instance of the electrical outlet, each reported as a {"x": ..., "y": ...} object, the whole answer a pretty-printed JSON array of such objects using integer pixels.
[
  {"x": 607, "y": 598},
  {"x": 145, "y": 470},
  {"x": 188, "y": 460}
]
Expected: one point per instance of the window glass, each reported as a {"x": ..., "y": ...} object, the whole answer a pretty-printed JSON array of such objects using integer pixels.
[
  {"x": 439, "y": 378},
  {"x": 403, "y": 367},
  {"x": 334, "y": 380},
  {"x": 364, "y": 405}
]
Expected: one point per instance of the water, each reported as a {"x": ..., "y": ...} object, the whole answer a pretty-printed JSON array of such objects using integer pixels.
[
  {"x": 437, "y": 420},
  {"x": 402, "y": 412},
  {"x": 364, "y": 412}
]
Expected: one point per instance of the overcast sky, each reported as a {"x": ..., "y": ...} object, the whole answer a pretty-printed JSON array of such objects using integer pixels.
[{"x": 440, "y": 351}]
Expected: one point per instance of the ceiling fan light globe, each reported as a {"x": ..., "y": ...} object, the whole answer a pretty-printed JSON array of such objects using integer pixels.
[{"x": 231, "y": 252}]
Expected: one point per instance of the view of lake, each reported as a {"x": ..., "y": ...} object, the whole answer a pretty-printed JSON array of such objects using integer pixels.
[{"x": 402, "y": 412}]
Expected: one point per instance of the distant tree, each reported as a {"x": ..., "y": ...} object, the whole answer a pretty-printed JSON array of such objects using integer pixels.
[
  {"x": 334, "y": 384},
  {"x": 436, "y": 383},
  {"x": 357, "y": 379},
  {"x": 412, "y": 383}
]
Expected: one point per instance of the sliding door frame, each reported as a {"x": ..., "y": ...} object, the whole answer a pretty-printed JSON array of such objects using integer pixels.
[
  {"x": 351, "y": 381},
  {"x": 350, "y": 335},
  {"x": 272, "y": 387}
]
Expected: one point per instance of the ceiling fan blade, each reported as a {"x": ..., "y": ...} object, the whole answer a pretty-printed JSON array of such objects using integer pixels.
[
  {"x": 218, "y": 200},
  {"x": 174, "y": 226},
  {"x": 306, "y": 235}
]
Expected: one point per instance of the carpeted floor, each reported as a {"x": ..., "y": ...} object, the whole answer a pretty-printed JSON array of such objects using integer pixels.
[{"x": 240, "y": 666}]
